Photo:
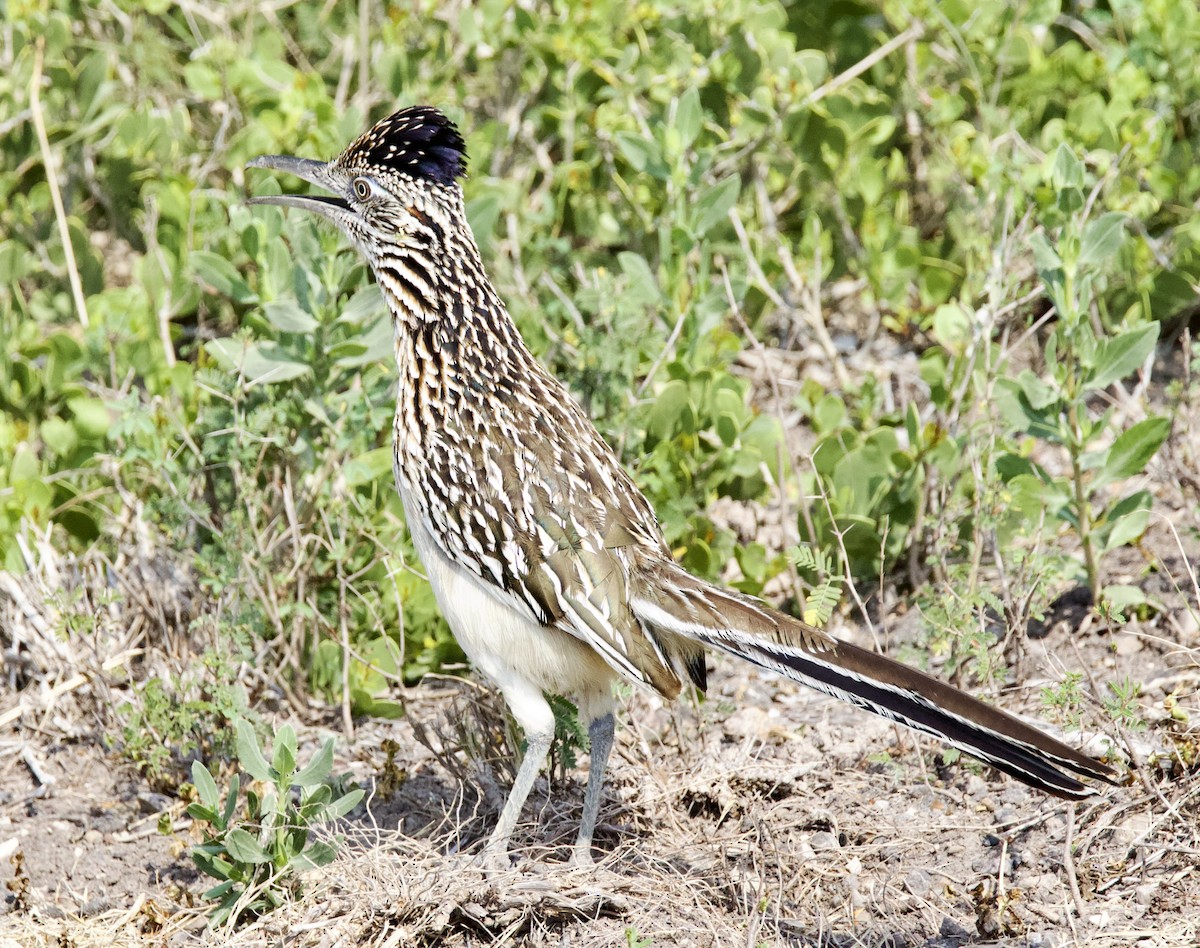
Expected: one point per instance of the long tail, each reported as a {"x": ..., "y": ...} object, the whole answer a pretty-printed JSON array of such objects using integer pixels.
[{"x": 674, "y": 602}]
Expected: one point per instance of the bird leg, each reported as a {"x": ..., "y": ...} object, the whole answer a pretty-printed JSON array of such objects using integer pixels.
[
  {"x": 600, "y": 732},
  {"x": 539, "y": 731}
]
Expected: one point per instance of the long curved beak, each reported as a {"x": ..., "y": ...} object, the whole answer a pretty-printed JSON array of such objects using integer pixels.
[{"x": 307, "y": 169}]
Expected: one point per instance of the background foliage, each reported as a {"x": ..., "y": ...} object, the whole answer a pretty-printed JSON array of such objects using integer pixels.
[{"x": 1006, "y": 192}]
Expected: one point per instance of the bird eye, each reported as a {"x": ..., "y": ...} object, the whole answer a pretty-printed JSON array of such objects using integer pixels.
[{"x": 362, "y": 188}]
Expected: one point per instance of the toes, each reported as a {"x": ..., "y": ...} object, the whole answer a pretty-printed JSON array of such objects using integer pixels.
[{"x": 581, "y": 858}]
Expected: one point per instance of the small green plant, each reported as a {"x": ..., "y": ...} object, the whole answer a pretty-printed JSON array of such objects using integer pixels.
[
  {"x": 819, "y": 570},
  {"x": 867, "y": 477},
  {"x": 1122, "y": 705},
  {"x": 257, "y": 854},
  {"x": 1083, "y": 357},
  {"x": 166, "y": 723},
  {"x": 633, "y": 939},
  {"x": 1066, "y": 698},
  {"x": 961, "y": 622},
  {"x": 570, "y": 737}
]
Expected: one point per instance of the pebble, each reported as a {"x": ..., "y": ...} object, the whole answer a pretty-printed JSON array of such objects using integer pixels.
[
  {"x": 823, "y": 840},
  {"x": 1131, "y": 831},
  {"x": 1187, "y": 625},
  {"x": 751, "y": 721},
  {"x": 917, "y": 882},
  {"x": 951, "y": 929}
]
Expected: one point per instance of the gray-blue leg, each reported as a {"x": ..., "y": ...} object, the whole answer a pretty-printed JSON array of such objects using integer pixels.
[
  {"x": 533, "y": 713},
  {"x": 600, "y": 731}
]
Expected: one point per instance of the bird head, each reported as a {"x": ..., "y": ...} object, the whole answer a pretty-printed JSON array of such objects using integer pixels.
[{"x": 396, "y": 185}]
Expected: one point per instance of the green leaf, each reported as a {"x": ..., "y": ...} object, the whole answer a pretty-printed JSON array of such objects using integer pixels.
[
  {"x": 244, "y": 848},
  {"x": 713, "y": 204},
  {"x": 1031, "y": 493},
  {"x": 727, "y": 429},
  {"x": 368, "y": 468},
  {"x": 643, "y": 284},
  {"x": 267, "y": 807},
  {"x": 249, "y": 752},
  {"x": 198, "y": 811},
  {"x": 209, "y": 861},
  {"x": 230, "y": 801},
  {"x": 25, "y": 466},
  {"x": 91, "y": 416},
  {"x": 388, "y": 710},
  {"x": 1045, "y": 256},
  {"x": 1125, "y": 521},
  {"x": 689, "y": 116},
  {"x": 643, "y": 154},
  {"x": 1069, "y": 200},
  {"x": 1012, "y": 402},
  {"x": 58, "y": 435},
  {"x": 317, "y": 769},
  {"x": 316, "y": 855},
  {"x": 364, "y": 305},
  {"x": 219, "y": 891},
  {"x": 952, "y": 326},
  {"x": 1039, "y": 395},
  {"x": 1101, "y": 238},
  {"x": 1121, "y": 355},
  {"x": 220, "y": 276},
  {"x": 287, "y": 316},
  {"x": 752, "y": 558},
  {"x": 1133, "y": 449},
  {"x": 1068, "y": 170},
  {"x": 828, "y": 414},
  {"x": 314, "y": 800},
  {"x": 343, "y": 804},
  {"x": 1123, "y": 597},
  {"x": 205, "y": 785},
  {"x": 375, "y": 344},
  {"x": 259, "y": 363},
  {"x": 283, "y": 760}
]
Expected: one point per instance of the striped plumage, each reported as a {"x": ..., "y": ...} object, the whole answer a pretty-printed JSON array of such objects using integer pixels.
[{"x": 545, "y": 558}]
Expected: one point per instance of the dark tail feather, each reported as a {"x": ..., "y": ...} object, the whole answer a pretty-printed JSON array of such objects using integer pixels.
[{"x": 750, "y": 630}]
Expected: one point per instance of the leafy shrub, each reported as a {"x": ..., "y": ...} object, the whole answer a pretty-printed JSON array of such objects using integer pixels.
[{"x": 258, "y": 852}]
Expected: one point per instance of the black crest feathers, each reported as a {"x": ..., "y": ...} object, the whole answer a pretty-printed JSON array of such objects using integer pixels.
[{"x": 418, "y": 141}]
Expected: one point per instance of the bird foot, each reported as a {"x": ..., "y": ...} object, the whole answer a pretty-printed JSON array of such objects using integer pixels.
[
  {"x": 581, "y": 858},
  {"x": 494, "y": 861}
]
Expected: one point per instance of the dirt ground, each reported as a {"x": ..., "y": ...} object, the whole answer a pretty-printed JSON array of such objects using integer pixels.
[{"x": 765, "y": 814}]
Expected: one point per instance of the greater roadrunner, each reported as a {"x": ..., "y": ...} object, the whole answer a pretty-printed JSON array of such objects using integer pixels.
[{"x": 546, "y": 560}]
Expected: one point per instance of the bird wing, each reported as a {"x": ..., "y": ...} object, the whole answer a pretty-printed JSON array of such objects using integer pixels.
[
  {"x": 593, "y": 528},
  {"x": 538, "y": 507}
]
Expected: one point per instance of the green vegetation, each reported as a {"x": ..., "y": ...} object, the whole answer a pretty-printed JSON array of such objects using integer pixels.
[
  {"x": 257, "y": 852},
  {"x": 1005, "y": 194},
  {"x": 170, "y": 723}
]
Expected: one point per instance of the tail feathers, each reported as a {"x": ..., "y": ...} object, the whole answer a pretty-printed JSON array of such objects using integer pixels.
[{"x": 741, "y": 626}]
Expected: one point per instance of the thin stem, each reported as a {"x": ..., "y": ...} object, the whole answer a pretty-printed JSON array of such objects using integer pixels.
[
  {"x": 48, "y": 162},
  {"x": 1083, "y": 511}
]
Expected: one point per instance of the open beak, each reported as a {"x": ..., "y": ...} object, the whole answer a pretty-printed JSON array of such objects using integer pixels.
[{"x": 315, "y": 172}]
